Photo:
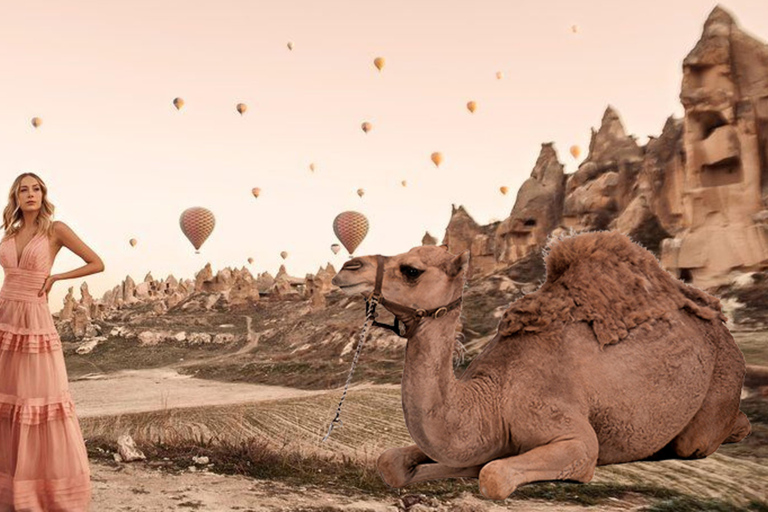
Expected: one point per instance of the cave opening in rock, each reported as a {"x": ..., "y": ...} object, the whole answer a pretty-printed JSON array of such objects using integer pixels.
[{"x": 726, "y": 172}]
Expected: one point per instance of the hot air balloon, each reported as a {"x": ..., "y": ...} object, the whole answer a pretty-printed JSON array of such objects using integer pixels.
[
  {"x": 255, "y": 191},
  {"x": 36, "y": 121},
  {"x": 312, "y": 167},
  {"x": 574, "y": 28},
  {"x": 335, "y": 248},
  {"x": 437, "y": 159},
  {"x": 575, "y": 151},
  {"x": 197, "y": 225},
  {"x": 378, "y": 62},
  {"x": 133, "y": 242},
  {"x": 290, "y": 45},
  {"x": 178, "y": 103},
  {"x": 367, "y": 126},
  {"x": 499, "y": 75},
  {"x": 471, "y": 106},
  {"x": 504, "y": 190},
  {"x": 284, "y": 254},
  {"x": 350, "y": 228},
  {"x": 241, "y": 108},
  {"x": 360, "y": 192},
  {"x": 250, "y": 261},
  {"x": 404, "y": 183}
]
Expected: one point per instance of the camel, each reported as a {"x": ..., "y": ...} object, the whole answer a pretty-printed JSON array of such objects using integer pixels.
[{"x": 611, "y": 360}]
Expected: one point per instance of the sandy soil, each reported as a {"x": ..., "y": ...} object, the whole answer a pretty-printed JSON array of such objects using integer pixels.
[
  {"x": 138, "y": 487},
  {"x": 157, "y": 389}
]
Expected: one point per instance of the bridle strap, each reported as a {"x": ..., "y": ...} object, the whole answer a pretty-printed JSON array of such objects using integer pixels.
[{"x": 409, "y": 317}]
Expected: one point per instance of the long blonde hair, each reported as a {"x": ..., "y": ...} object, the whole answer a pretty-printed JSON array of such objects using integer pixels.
[{"x": 13, "y": 217}]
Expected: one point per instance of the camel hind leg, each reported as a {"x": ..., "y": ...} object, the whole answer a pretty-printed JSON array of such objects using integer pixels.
[
  {"x": 719, "y": 419},
  {"x": 741, "y": 429}
]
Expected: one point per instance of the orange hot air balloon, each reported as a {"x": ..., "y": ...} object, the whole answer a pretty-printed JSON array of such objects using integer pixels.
[
  {"x": 241, "y": 108},
  {"x": 335, "y": 248},
  {"x": 133, "y": 242},
  {"x": 404, "y": 183},
  {"x": 367, "y": 126},
  {"x": 379, "y": 63},
  {"x": 574, "y": 28},
  {"x": 312, "y": 167},
  {"x": 290, "y": 45},
  {"x": 471, "y": 106},
  {"x": 499, "y": 75},
  {"x": 36, "y": 121},
  {"x": 284, "y": 254},
  {"x": 360, "y": 192},
  {"x": 575, "y": 151},
  {"x": 178, "y": 103},
  {"x": 504, "y": 190},
  {"x": 437, "y": 159},
  {"x": 350, "y": 228},
  {"x": 197, "y": 225},
  {"x": 255, "y": 191},
  {"x": 250, "y": 261}
]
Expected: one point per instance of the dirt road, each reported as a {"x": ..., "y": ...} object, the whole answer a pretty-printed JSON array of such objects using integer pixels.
[{"x": 157, "y": 389}]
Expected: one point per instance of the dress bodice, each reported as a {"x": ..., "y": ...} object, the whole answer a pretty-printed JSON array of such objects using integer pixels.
[{"x": 25, "y": 277}]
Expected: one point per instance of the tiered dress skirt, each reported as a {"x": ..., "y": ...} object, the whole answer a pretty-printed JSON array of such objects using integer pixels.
[{"x": 43, "y": 460}]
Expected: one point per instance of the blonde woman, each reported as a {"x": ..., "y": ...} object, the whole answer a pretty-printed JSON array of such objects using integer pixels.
[{"x": 43, "y": 460}]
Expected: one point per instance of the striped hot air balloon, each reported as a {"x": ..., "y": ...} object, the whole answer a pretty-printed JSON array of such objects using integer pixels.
[
  {"x": 197, "y": 225},
  {"x": 350, "y": 228}
]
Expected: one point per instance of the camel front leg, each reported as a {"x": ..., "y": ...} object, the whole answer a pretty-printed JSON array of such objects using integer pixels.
[
  {"x": 573, "y": 459},
  {"x": 399, "y": 467}
]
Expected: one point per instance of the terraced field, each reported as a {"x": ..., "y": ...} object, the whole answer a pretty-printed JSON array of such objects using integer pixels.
[{"x": 373, "y": 422}]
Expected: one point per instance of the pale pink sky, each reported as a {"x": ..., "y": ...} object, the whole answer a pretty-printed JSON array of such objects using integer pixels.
[{"x": 121, "y": 162}]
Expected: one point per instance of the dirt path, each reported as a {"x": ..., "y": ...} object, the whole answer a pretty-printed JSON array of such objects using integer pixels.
[
  {"x": 157, "y": 389},
  {"x": 137, "y": 487}
]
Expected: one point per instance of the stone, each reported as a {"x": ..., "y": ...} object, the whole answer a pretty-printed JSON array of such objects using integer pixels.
[{"x": 127, "y": 449}]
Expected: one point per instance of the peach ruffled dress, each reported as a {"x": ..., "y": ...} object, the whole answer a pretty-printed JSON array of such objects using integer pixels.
[{"x": 43, "y": 460}]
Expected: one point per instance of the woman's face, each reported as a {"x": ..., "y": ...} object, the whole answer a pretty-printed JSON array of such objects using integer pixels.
[{"x": 30, "y": 194}]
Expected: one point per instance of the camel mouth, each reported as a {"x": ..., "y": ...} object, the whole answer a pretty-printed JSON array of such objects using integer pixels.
[{"x": 353, "y": 289}]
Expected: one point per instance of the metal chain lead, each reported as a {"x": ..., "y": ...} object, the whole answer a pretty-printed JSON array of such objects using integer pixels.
[{"x": 371, "y": 315}]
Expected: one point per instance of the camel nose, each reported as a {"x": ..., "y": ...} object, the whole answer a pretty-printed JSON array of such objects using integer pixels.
[{"x": 353, "y": 264}]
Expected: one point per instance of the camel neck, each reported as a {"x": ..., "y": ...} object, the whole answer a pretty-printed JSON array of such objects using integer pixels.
[{"x": 428, "y": 379}]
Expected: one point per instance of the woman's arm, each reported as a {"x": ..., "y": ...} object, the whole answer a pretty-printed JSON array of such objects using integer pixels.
[{"x": 64, "y": 236}]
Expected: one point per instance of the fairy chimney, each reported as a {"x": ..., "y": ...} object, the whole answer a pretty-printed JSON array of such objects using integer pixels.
[
  {"x": 69, "y": 305},
  {"x": 537, "y": 209},
  {"x": 725, "y": 138}
]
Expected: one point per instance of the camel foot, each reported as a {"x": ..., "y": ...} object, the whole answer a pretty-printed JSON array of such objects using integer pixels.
[
  {"x": 741, "y": 429},
  {"x": 399, "y": 467},
  {"x": 497, "y": 482},
  {"x": 396, "y": 466}
]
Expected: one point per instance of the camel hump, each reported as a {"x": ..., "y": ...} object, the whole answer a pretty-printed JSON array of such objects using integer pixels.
[{"x": 609, "y": 281}]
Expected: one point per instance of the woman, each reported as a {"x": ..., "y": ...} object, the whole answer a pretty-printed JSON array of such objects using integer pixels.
[{"x": 43, "y": 460}]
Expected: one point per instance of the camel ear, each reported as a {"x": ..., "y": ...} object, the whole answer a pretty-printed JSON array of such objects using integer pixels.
[{"x": 458, "y": 264}]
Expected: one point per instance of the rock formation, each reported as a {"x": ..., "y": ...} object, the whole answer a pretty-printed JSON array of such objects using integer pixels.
[
  {"x": 725, "y": 139},
  {"x": 696, "y": 196}
]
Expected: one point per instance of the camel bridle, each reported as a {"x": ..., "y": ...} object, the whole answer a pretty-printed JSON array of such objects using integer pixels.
[{"x": 410, "y": 318}]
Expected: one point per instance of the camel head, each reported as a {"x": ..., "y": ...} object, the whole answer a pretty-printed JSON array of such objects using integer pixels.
[{"x": 426, "y": 277}]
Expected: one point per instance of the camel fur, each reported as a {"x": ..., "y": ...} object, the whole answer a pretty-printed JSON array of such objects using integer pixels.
[{"x": 611, "y": 360}]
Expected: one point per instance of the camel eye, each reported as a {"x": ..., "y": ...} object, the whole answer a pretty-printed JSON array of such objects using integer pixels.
[{"x": 410, "y": 272}]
